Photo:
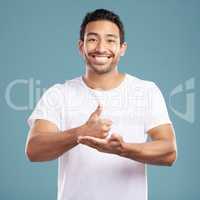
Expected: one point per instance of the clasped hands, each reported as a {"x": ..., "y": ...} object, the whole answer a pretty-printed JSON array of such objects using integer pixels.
[{"x": 94, "y": 134}]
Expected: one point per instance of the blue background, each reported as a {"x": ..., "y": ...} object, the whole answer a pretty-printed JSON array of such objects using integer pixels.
[{"x": 38, "y": 40}]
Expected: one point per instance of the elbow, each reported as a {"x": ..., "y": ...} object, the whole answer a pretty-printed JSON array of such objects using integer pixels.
[
  {"x": 171, "y": 159},
  {"x": 29, "y": 152},
  {"x": 30, "y": 155}
]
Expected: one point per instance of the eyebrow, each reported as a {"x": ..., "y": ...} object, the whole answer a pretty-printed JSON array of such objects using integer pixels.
[
  {"x": 108, "y": 35},
  {"x": 92, "y": 33},
  {"x": 112, "y": 35}
]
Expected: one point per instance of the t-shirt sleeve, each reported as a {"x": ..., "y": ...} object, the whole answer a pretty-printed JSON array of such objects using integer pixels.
[
  {"x": 157, "y": 113},
  {"x": 48, "y": 107}
]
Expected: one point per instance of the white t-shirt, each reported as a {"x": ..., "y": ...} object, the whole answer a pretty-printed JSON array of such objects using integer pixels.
[{"x": 135, "y": 106}]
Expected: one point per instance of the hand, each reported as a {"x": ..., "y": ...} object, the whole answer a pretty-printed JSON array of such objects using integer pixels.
[
  {"x": 114, "y": 144},
  {"x": 95, "y": 126}
]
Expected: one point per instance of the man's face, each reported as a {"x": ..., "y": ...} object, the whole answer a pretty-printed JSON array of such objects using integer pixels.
[{"x": 101, "y": 47}]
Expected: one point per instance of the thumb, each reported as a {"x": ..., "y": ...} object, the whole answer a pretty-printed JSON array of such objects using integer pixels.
[
  {"x": 116, "y": 137},
  {"x": 98, "y": 111}
]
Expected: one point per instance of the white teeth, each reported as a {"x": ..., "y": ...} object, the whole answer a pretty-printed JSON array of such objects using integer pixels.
[
  {"x": 101, "y": 59},
  {"x": 94, "y": 56}
]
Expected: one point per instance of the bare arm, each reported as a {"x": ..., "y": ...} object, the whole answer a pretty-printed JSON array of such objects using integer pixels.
[
  {"x": 160, "y": 151},
  {"x": 45, "y": 142}
]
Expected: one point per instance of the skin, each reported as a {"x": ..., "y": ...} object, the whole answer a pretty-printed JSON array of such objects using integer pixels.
[
  {"x": 101, "y": 51},
  {"x": 102, "y": 41}
]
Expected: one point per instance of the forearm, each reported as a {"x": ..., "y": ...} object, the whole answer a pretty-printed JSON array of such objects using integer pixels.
[
  {"x": 158, "y": 152},
  {"x": 49, "y": 146}
]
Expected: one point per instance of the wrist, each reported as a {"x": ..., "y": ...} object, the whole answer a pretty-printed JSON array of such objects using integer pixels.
[
  {"x": 131, "y": 149},
  {"x": 124, "y": 150},
  {"x": 81, "y": 130}
]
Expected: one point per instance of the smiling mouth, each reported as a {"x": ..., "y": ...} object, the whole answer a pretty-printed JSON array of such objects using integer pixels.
[
  {"x": 101, "y": 56},
  {"x": 100, "y": 59}
]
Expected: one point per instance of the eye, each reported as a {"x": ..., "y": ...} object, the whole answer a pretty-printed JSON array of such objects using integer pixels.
[
  {"x": 111, "y": 41},
  {"x": 91, "y": 40}
]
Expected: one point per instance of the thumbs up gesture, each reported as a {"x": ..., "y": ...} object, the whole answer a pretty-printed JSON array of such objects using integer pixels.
[{"x": 96, "y": 126}]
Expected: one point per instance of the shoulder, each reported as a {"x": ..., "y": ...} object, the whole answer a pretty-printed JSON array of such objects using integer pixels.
[
  {"x": 73, "y": 83},
  {"x": 59, "y": 92},
  {"x": 62, "y": 87},
  {"x": 139, "y": 83}
]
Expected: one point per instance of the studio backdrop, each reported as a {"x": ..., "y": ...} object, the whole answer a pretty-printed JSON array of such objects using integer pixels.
[{"x": 38, "y": 48}]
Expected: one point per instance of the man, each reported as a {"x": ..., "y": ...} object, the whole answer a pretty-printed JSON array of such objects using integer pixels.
[{"x": 97, "y": 124}]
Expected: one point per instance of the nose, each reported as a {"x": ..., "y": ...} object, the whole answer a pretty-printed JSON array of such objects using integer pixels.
[{"x": 100, "y": 46}]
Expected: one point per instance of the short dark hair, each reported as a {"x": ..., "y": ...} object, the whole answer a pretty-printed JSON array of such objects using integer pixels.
[{"x": 102, "y": 14}]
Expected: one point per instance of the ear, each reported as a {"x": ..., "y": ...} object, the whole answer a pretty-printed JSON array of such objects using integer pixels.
[
  {"x": 80, "y": 47},
  {"x": 123, "y": 49}
]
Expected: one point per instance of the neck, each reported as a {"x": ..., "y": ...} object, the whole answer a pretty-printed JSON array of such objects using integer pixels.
[{"x": 105, "y": 81}]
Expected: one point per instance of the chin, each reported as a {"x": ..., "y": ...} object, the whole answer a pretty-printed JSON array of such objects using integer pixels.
[{"x": 101, "y": 69}]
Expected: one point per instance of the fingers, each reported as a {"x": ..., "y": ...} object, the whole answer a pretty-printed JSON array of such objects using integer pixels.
[
  {"x": 106, "y": 121},
  {"x": 106, "y": 125},
  {"x": 97, "y": 126},
  {"x": 115, "y": 143},
  {"x": 116, "y": 137},
  {"x": 98, "y": 111},
  {"x": 101, "y": 145},
  {"x": 91, "y": 141},
  {"x": 105, "y": 128},
  {"x": 104, "y": 135}
]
